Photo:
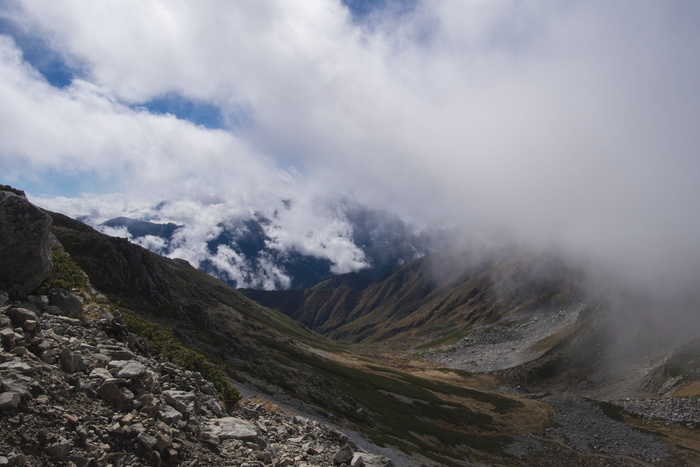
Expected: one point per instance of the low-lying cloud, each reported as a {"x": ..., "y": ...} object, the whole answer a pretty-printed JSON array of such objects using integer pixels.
[{"x": 568, "y": 125}]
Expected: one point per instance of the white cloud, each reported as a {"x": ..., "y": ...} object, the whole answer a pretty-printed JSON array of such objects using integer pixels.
[{"x": 570, "y": 123}]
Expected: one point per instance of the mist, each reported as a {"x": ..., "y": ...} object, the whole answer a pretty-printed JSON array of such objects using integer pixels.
[{"x": 570, "y": 126}]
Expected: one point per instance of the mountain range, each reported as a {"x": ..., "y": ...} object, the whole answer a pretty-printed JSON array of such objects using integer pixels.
[
  {"x": 384, "y": 242},
  {"x": 493, "y": 357}
]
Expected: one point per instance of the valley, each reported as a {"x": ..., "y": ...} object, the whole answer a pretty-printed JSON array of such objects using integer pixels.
[{"x": 466, "y": 359}]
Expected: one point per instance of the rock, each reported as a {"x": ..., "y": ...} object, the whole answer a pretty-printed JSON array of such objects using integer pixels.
[
  {"x": 4, "y": 297},
  {"x": 370, "y": 460},
  {"x": 169, "y": 414},
  {"x": 17, "y": 383},
  {"x": 343, "y": 455},
  {"x": 132, "y": 369},
  {"x": 25, "y": 245},
  {"x": 68, "y": 303},
  {"x": 59, "y": 449},
  {"x": 71, "y": 363},
  {"x": 100, "y": 373},
  {"x": 20, "y": 316},
  {"x": 146, "y": 440},
  {"x": 231, "y": 428},
  {"x": 16, "y": 366},
  {"x": 16, "y": 459},
  {"x": 183, "y": 401},
  {"x": 111, "y": 393},
  {"x": 9, "y": 400}
]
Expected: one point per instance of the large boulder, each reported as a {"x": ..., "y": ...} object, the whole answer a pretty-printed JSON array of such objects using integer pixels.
[{"x": 25, "y": 244}]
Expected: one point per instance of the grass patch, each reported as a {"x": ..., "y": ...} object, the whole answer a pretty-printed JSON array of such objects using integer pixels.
[
  {"x": 406, "y": 410},
  {"x": 65, "y": 274},
  {"x": 163, "y": 340}
]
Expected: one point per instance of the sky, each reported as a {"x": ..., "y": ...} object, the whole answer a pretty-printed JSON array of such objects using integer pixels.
[{"x": 563, "y": 124}]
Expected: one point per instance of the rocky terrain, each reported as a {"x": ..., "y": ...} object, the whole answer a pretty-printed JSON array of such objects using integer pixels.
[
  {"x": 85, "y": 392},
  {"x": 511, "y": 341},
  {"x": 86, "y": 322}
]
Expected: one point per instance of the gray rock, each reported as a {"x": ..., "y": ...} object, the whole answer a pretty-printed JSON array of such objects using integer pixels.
[
  {"x": 4, "y": 297},
  {"x": 343, "y": 456},
  {"x": 132, "y": 369},
  {"x": 365, "y": 459},
  {"x": 183, "y": 401},
  {"x": 169, "y": 414},
  {"x": 20, "y": 316},
  {"x": 59, "y": 449},
  {"x": 100, "y": 373},
  {"x": 16, "y": 383},
  {"x": 25, "y": 245},
  {"x": 68, "y": 303},
  {"x": 9, "y": 400},
  {"x": 231, "y": 428},
  {"x": 9, "y": 338},
  {"x": 5, "y": 322},
  {"x": 16, "y": 366},
  {"x": 71, "y": 363},
  {"x": 146, "y": 440},
  {"x": 111, "y": 393}
]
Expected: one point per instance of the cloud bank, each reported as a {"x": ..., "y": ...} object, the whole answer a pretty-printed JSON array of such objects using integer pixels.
[{"x": 567, "y": 124}]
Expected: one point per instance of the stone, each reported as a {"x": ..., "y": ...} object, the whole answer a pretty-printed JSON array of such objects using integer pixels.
[
  {"x": 100, "y": 373},
  {"x": 132, "y": 369},
  {"x": 71, "y": 363},
  {"x": 17, "y": 383},
  {"x": 9, "y": 400},
  {"x": 215, "y": 407},
  {"x": 183, "y": 401},
  {"x": 231, "y": 428},
  {"x": 17, "y": 459},
  {"x": 370, "y": 460},
  {"x": 17, "y": 366},
  {"x": 25, "y": 245},
  {"x": 4, "y": 297},
  {"x": 68, "y": 303},
  {"x": 5, "y": 322},
  {"x": 343, "y": 455},
  {"x": 169, "y": 414},
  {"x": 111, "y": 393},
  {"x": 59, "y": 450},
  {"x": 80, "y": 461},
  {"x": 146, "y": 440},
  {"x": 9, "y": 338},
  {"x": 20, "y": 316}
]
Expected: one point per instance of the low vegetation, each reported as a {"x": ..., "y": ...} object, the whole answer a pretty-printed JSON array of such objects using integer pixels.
[
  {"x": 66, "y": 274},
  {"x": 163, "y": 341}
]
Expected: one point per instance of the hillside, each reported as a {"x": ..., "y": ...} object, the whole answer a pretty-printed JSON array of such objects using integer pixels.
[{"x": 429, "y": 411}]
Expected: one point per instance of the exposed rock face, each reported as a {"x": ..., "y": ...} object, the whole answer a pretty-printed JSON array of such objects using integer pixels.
[{"x": 25, "y": 244}]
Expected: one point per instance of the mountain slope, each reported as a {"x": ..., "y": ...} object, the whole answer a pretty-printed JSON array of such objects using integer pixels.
[
  {"x": 430, "y": 296},
  {"x": 270, "y": 352}
]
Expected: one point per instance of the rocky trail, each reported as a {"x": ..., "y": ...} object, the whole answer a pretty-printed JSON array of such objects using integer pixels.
[{"x": 86, "y": 393}]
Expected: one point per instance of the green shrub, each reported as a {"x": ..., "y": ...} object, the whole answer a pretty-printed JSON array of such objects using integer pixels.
[
  {"x": 65, "y": 274},
  {"x": 163, "y": 341}
]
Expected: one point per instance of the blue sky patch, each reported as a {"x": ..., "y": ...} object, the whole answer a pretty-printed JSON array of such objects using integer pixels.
[
  {"x": 39, "y": 54},
  {"x": 362, "y": 9},
  {"x": 198, "y": 112}
]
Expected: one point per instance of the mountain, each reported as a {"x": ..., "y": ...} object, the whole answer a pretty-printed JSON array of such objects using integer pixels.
[
  {"x": 242, "y": 252},
  {"x": 445, "y": 293},
  {"x": 461, "y": 359}
]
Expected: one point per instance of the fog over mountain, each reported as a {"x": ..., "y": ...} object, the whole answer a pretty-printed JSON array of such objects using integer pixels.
[{"x": 570, "y": 125}]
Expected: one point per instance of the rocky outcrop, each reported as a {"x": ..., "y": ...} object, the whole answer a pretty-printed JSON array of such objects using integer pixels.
[
  {"x": 25, "y": 244},
  {"x": 84, "y": 393}
]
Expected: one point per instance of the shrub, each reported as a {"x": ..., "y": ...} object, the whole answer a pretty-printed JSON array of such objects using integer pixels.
[
  {"x": 163, "y": 341},
  {"x": 65, "y": 274}
]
